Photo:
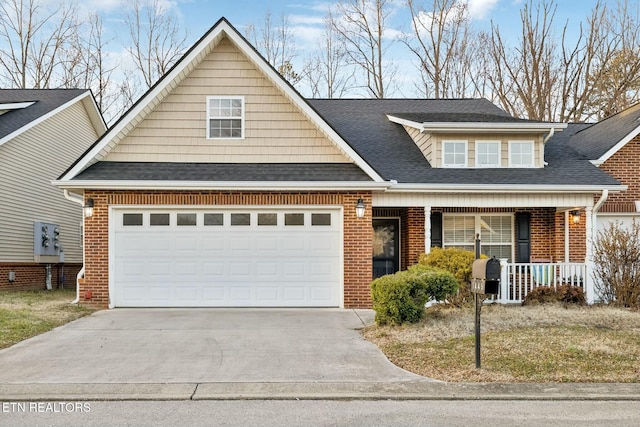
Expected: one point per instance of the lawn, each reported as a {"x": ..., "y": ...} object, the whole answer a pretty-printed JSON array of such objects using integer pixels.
[
  {"x": 24, "y": 314},
  {"x": 545, "y": 343}
]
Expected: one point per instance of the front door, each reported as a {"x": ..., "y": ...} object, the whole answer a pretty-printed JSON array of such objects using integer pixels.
[{"x": 386, "y": 246}]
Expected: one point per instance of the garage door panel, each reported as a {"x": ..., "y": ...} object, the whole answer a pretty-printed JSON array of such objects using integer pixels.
[{"x": 227, "y": 265}]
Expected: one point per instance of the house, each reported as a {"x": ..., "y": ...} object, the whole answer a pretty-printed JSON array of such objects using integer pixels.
[
  {"x": 223, "y": 186},
  {"x": 613, "y": 145},
  {"x": 41, "y": 133}
]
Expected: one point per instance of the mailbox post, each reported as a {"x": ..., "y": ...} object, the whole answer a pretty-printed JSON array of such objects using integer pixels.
[{"x": 485, "y": 280}]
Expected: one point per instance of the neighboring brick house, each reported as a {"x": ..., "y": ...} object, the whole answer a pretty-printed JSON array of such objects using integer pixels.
[
  {"x": 41, "y": 133},
  {"x": 613, "y": 145},
  {"x": 223, "y": 186}
]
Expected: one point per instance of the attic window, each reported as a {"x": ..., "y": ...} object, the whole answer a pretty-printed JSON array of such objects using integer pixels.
[
  {"x": 521, "y": 154},
  {"x": 225, "y": 117},
  {"x": 454, "y": 154}
]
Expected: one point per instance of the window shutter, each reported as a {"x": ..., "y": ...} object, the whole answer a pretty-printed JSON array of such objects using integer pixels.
[
  {"x": 436, "y": 229},
  {"x": 523, "y": 237}
]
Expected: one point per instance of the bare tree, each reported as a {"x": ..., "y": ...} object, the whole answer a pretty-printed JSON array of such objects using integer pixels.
[
  {"x": 328, "y": 74},
  {"x": 362, "y": 28},
  {"x": 35, "y": 40},
  {"x": 274, "y": 40},
  {"x": 615, "y": 84},
  {"x": 156, "y": 40},
  {"x": 523, "y": 77},
  {"x": 440, "y": 42}
]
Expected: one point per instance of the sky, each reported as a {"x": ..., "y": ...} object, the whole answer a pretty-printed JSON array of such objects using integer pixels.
[{"x": 305, "y": 18}]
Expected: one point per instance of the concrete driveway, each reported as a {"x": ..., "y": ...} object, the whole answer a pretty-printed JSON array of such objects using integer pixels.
[{"x": 144, "y": 346}]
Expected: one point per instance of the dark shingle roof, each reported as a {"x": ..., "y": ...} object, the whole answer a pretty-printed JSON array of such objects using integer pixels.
[
  {"x": 595, "y": 140},
  {"x": 460, "y": 118},
  {"x": 46, "y": 100},
  {"x": 153, "y": 171},
  {"x": 388, "y": 148}
]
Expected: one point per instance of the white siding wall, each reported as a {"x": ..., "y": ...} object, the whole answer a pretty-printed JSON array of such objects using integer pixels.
[
  {"x": 471, "y": 200},
  {"x": 175, "y": 131},
  {"x": 28, "y": 164}
]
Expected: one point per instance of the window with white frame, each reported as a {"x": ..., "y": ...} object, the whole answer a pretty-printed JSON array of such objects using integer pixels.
[
  {"x": 487, "y": 154},
  {"x": 454, "y": 154},
  {"x": 225, "y": 117},
  {"x": 496, "y": 233},
  {"x": 521, "y": 154}
]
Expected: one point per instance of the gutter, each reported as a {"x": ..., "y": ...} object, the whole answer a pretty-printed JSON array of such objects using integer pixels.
[
  {"x": 503, "y": 188},
  {"x": 224, "y": 186},
  {"x": 80, "y": 201}
]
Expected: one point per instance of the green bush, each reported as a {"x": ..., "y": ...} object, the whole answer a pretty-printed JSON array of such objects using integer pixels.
[
  {"x": 457, "y": 261},
  {"x": 565, "y": 294},
  {"x": 401, "y": 297}
]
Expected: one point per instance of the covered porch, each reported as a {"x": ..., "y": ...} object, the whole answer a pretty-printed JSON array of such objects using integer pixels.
[{"x": 541, "y": 239}]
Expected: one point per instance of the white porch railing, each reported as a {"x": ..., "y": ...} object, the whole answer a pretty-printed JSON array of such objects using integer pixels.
[{"x": 518, "y": 279}]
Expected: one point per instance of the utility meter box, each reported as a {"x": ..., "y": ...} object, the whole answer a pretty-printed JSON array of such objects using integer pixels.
[
  {"x": 485, "y": 275},
  {"x": 46, "y": 242}
]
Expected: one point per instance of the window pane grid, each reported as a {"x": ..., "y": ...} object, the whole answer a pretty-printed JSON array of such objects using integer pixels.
[
  {"x": 488, "y": 153},
  {"x": 225, "y": 118},
  {"x": 496, "y": 233},
  {"x": 454, "y": 153},
  {"x": 521, "y": 153}
]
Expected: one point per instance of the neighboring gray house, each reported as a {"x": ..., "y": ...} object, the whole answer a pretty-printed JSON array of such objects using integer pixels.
[{"x": 41, "y": 133}]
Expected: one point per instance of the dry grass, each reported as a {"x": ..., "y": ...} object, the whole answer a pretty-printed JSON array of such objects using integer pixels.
[
  {"x": 24, "y": 314},
  {"x": 519, "y": 344}
]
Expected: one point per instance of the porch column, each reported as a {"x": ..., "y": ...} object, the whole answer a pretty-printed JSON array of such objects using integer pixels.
[
  {"x": 589, "y": 287},
  {"x": 427, "y": 229},
  {"x": 566, "y": 236}
]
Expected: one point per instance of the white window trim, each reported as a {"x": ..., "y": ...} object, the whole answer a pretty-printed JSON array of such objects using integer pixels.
[
  {"x": 466, "y": 153},
  {"x": 533, "y": 160},
  {"x": 489, "y": 141},
  {"x": 477, "y": 226},
  {"x": 242, "y": 119}
]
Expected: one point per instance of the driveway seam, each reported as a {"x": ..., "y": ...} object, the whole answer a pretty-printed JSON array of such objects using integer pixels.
[{"x": 195, "y": 389}]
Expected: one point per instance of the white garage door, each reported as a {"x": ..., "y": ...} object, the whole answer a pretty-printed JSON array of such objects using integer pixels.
[{"x": 226, "y": 258}]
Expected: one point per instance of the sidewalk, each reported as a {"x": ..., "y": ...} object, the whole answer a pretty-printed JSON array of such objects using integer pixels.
[{"x": 406, "y": 390}]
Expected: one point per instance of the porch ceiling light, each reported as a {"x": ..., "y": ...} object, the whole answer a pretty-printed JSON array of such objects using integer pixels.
[
  {"x": 575, "y": 216},
  {"x": 88, "y": 208},
  {"x": 360, "y": 208}
]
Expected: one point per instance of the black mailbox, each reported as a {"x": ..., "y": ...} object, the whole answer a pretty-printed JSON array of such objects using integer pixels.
[{"x": 485, "y": 276}]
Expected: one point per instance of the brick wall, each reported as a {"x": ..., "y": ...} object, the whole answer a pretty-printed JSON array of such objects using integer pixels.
[
  {"x": 624, "y": 166},
  {"x": 357, "y": 233},
  {"x": 33, "y": 276}
]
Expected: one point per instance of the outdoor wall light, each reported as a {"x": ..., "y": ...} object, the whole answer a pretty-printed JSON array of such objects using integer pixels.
[
  {"x": 88, "y": 208},
  {"x": 360, "y": 208},
  {"x": 575, "y": 216}
]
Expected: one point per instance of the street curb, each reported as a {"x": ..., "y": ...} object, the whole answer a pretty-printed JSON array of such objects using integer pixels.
[{"x": 410, "y": 390}]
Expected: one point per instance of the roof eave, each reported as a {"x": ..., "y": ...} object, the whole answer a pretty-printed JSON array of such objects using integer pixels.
[
  {"x": 222, "y": 185},
  {"x": 482, "y": 127},
  {"x": 503, "y": 188}
]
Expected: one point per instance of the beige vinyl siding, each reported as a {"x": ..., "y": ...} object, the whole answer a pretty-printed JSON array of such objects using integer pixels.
[
  {"x": 435, "y": 143},
  {"x": 424, "y": 141},
  {"x": 275, "y": 130},
  {"x": 28, "y": 164}
]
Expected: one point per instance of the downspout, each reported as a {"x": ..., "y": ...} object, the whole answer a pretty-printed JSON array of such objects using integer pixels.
[
  {"x": 544, "y": 141},
  {"x": 79, "y": 200}
]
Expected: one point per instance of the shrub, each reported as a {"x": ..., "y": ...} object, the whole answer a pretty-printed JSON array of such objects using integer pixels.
[
  {"x": 565, "y": 294},
  {"x": 457, "y": 261},
  {"x": 401, "y": 297},
  {"x": 616, "y": 258}
]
